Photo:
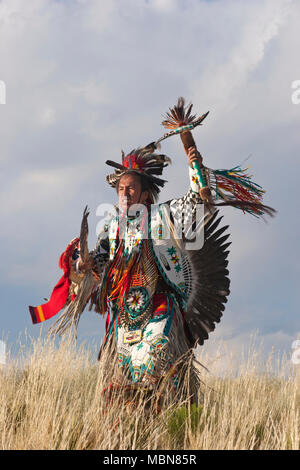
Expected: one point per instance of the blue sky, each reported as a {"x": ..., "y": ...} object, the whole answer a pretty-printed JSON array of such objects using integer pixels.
[{"x": 85, "y": 79}]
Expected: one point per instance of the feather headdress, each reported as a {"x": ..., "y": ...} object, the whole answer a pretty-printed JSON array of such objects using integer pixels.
[{"x": 144, "y": 162}]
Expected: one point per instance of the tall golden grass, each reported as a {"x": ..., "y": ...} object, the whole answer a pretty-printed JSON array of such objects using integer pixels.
[{"x": 50, "y": 398}]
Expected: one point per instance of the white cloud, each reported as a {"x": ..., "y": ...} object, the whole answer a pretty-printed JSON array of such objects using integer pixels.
[
  {"x": 47, "y": 116},
  {"x": 226, "y": 83},
  {"x": 100, "y": 16},
  {"x": 40, "y": 189},
  {"x": 250, "y": 351},
  {"x": 93, "y": 92},
  {"x": 163, "y": 5}
]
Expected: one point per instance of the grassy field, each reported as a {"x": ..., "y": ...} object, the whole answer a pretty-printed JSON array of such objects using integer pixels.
[{"x": 51, "y": 399}]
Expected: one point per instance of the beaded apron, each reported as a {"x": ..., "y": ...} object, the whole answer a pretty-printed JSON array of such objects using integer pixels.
[{"x": 144, "y": 322}]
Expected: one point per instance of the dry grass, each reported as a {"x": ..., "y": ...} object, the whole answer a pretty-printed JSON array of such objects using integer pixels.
[{"x": 54, "y": 401}]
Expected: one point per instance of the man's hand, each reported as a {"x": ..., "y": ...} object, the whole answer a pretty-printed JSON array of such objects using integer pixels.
[
  {"x": 193, "y": 156},
  {"x": 87, "y": 265}
]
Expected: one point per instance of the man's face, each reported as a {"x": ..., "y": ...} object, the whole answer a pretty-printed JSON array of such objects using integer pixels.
[{"x": 130, "y": 191}]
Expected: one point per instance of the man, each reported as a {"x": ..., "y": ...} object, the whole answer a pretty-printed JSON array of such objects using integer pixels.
[
  {"x": 143, "y": 287},
  {"x": 161, "y": 293}
]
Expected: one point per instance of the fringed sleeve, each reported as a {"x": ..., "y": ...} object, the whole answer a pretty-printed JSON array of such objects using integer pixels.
[
  {"x": 86, "y": 288},
  {"x": 233, "y": 187},
  {"x": 189, "y": 209},
  {"x": 236, "y": 188}
]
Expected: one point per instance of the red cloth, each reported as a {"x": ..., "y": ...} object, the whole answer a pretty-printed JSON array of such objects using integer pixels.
[{"x": 60, "y": 292}]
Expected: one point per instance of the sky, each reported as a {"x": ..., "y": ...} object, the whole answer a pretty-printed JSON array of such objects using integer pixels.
[{"x": 84, "y": 79}]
